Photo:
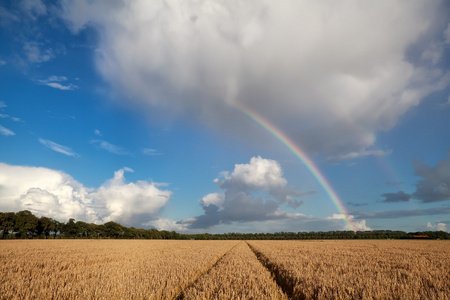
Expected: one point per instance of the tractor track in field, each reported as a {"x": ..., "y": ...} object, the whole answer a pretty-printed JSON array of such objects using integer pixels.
[
  {"x": 280, "y": 275},
  {"x": 180, "y": 296}
]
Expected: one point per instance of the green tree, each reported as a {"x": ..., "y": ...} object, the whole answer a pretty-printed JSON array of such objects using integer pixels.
[
  {"x": 113, "y": 230},
  {"x": 70, "y": 229},
  {"x": 7, "y": 221},
  {"x": 26, "y": 224},
  {"x": 83, "y": 228},
  {"x": 45, "y": 226}
]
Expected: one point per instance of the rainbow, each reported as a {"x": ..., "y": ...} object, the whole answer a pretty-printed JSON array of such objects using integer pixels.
[{"x": 300, "y": 154}]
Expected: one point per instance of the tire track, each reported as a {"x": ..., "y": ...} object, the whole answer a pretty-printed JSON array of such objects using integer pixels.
[
  {"x": 282, "y": 277},
  {"x": 180, "y": 296}
]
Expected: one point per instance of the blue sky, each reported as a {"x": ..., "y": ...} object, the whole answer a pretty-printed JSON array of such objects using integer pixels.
[{"x": 131, "y": 111}]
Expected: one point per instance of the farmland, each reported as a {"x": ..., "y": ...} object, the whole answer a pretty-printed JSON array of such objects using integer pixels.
[
  {"x": 157, "y": 269},
  {"x": 106, "y": 269},
  {"x": 360, "y": 269},
  {"x": 239, "y": 273}
]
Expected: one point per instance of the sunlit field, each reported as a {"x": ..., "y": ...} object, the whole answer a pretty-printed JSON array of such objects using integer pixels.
[
  {"x": 372, "y": 269},
  {"x": 104, "y": 269},
  {"x": 158, "y": 269}
]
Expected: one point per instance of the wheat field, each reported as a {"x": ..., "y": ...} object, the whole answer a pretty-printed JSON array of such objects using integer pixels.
[
  {"x": 103, "y": 269},
  {"x": 161, "y": 269},
  {"x": 349, "y": 269},
  {"x": 237, "y": 275}
]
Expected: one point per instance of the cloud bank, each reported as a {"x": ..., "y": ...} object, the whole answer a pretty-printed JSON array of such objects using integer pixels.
[
  {"x": 57, "y": 195},
  {"x": 252, "y": 200},
  {"x": 329, "y": 76}
]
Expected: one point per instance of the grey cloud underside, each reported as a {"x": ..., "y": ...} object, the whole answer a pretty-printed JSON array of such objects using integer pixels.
[
  {"x": 295, "y": 223},
  {"x": 329, "y": 79},
  {"x": 392, "y": 214},
  {"x": 237, "y": 202},
  {"x": 435, "y": 186},
  {"x": 239, "y": 207},
  {"x": 400, "y": 196}
]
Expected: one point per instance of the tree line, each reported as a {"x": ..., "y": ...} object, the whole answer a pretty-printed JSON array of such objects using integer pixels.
[{"x": 25, "y": 225}]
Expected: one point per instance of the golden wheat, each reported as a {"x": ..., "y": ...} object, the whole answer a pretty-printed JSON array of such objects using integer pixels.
[
  {"x": 238, "y": 275},
  {"x": 103, "y": 269},
  {"x": 360, "y": 269},
  {"x": 131, "y": 269}
]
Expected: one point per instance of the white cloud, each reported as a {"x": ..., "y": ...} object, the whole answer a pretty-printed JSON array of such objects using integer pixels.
[
  {"x": 58, "y": 148},
  {"x": 362, "y": 153},
  {"x": 7, "y": 18},
  {"x": 2, "y": 104},
  {"x": 260, "y": 173},
  {"x": 59, "y": 86},
  {"x": 151, "y": 152},
  {"x": 34, "y": 53},
  {"x": 237, "y": 202},
  {"x": 57, "y": 78},
  {"x": 5, "y": 116},
  {"x": 110, "y": 147},
  {"x": 163, "y": 223},
  {"x": 358, "y": 225},
  {"x": 131, "y": 202},
  {"x": 55, "y": 82},
  {"x": 16, "y": 119},
  {"x": 44, "y": 192},
  {"x": 33, "y": 8},
  {"x": 6, "y": 131},
  {"x": 329, "y": 79},
  {"x": 437, "y": 226},
  {"x": 97, "y": 132},
  {"x": 55, "y": 194},
  {"x": 214, "y": 199}
]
